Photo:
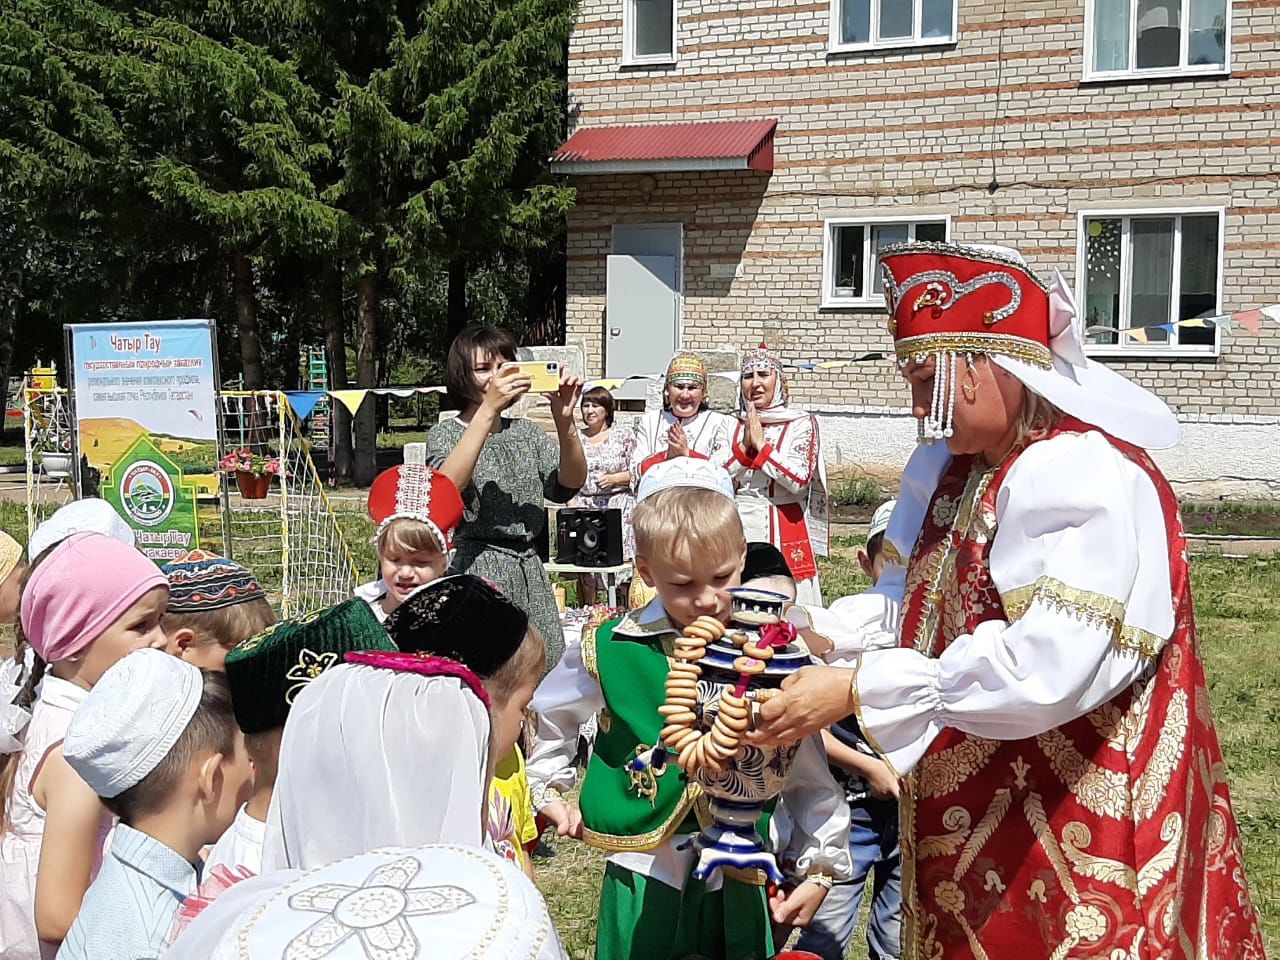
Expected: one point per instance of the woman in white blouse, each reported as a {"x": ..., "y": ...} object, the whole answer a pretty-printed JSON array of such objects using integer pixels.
[{"x": 684, "y": 427}]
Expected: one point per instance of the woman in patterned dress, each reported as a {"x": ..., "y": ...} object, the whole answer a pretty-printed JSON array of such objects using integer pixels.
[
  {"x": 608, "y": 487},
  {"x": 506, "y": 467}
]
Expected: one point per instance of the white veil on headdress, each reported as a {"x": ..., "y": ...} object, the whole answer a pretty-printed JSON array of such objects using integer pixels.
[{"x": 375, "y": 756}]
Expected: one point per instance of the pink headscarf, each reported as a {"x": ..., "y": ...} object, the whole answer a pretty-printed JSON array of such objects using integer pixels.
[{"x": 80, "y": 588}]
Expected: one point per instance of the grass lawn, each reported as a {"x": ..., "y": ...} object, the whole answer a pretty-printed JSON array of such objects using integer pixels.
[{"x": 1238, "y": 605}]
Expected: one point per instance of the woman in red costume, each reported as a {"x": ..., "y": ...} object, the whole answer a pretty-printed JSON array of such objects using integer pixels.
[{"x": 1065, "y": 793}]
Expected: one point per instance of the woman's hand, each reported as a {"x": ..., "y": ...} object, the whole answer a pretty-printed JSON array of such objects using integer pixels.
[
  {"x": 505, "y": 387},
  {"x": 812, "y": 699},
  {"x": 566, "y": 819},
  {"x": 565, "y": 400},
  {"x": 677, "y": 442},
  {"x": 754, "y": 439},
  {"x": 615, "y": 481}
]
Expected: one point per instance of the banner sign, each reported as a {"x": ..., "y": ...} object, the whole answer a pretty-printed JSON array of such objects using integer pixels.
[{"x": 146, "y": 414}]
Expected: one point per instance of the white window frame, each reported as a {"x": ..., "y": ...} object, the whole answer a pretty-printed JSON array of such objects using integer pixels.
[
  {"x": 1133, "y": 348},
  {"x": 835, "y": 45},
  {"x": 629, "y": 58},
  {"x": 829, "y": 226},
  {"x": 1133, "y": 73}
]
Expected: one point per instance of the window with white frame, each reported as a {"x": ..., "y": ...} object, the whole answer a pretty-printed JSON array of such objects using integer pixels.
[
  {"x": 649, "y": 31},
  {"x": 851, "y": 255},
  {"x": 1143, "y": 37},
  {"x": 866, "y": 24},
  {"x": 1142, "y": 273}
]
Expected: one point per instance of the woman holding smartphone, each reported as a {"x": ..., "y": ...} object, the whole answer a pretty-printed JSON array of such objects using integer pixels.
[{"x": 505, "y": 467}]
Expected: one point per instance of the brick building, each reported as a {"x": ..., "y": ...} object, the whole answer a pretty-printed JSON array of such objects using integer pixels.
[{"x": 1132, "y": 144}]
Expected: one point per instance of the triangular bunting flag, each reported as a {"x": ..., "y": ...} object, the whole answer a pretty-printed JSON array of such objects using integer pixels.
[
  {"x": 351, "y": 399},
  {"x": 303, "y": 401},
  {"x": 1272, "y": 311},
  {"x": 1137, "y": 333},
  {"x": 1251, "y": 320}
]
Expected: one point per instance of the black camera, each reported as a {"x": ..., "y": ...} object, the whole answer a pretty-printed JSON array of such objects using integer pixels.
[{"x": 589, "y": 538}]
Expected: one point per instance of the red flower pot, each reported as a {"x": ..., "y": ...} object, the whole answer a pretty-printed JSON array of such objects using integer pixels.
[{"x": 252, "y": 486}]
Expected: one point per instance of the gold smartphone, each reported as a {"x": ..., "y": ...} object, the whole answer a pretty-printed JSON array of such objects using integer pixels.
[{"x": 545, "y": 374}]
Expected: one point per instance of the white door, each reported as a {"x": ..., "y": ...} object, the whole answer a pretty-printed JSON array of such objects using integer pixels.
[
  {"x": 644, "y": 282},
  {"x": 640, "y": 315}
]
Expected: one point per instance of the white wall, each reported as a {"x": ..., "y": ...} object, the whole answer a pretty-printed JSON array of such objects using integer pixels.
[{"x": 1231, "y": 456}]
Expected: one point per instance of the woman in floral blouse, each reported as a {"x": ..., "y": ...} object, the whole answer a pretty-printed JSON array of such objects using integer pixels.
[{"x": 608, "y": 452}]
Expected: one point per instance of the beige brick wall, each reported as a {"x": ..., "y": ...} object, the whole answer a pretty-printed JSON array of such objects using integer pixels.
[{"x": 917, "y": 132}]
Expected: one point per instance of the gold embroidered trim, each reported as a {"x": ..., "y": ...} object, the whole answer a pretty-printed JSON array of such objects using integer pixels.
[
  {"x": 1140, "y": 641},
  {"x": 1096, "y": 609},
  {"x": 1001, "y": 344},
  {"x": 943, "y": 562},
  {"x": 589, "y": 653},
  {"x": 891, "y": 553},
  {"x": 862, "y": 726},
  {"x": 645, "y": 841}
]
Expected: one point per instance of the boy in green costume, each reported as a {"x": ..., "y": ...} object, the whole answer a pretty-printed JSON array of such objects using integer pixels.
[{"x": 690, "y": 547}]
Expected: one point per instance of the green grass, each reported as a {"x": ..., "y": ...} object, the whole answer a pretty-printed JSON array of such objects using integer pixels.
[
  {"x": 857, "y": 491},
  {"x": 11, "y": 456}
]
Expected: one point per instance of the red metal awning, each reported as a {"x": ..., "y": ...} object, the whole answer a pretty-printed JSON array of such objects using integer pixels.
[{"x": 669, "y": 147}]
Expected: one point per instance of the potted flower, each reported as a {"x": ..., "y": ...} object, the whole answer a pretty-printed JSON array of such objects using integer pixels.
[
  {"x": 55, "y": 455},
  {"x": 253, "y": 471}
]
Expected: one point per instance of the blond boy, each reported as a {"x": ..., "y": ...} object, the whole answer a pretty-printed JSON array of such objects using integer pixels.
[{"x": 690, "y": 548}]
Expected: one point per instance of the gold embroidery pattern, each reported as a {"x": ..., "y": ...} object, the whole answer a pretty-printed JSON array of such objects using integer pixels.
[
  {"x": 1154, "y": 780},
  {"x": 951, "y": 899},
  {"x": 1096, "y": 609},
  {"x": 1100, "y": 791},
  {"x": 1140, "y": 641},
  {"x": 994, "y": 816},
  {"x": 1034, "y": 810},
  {"x": 944, "y": 771},
  {"x": 1155, "y": 869},
  {"x": 955, "y": 819},
  {"x": 589, "y": 653},
  {"x": 1075, "y": 837}
]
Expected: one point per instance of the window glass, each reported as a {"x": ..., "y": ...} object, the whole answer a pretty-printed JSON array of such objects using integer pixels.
[
  {"x": 1207, "y": 44},
  {"x": 1111, "y": 34},
  {"x": 849, "y": 261},
  {"x": 652, "y": 25},
  {"x": 1102, "y": 279},
  {"x": 1198, "y": 283},
  {"x": 1152, "y": 290},
  {"x": 896, "y": 19},
  {"x": 936, "y": 19},
  {"x": 855, "y": 21},
  {"x": 931, "y": 232}
]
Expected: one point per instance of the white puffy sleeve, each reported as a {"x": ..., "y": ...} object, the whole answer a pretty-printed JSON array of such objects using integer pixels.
[
  {"x": 563, "y": 702},
  {"x": 815, "y": 815},
  {"x": 869, "y": 620},
  {"x": 1080, "y": 558}
]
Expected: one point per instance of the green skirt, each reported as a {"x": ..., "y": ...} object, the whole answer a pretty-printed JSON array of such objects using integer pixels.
[{"x": 643, "y": 919}]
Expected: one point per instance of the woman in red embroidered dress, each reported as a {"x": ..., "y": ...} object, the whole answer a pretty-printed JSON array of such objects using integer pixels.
[
  {"x": 774, "y": 455},
  {"x": 1065, "y": 791}
]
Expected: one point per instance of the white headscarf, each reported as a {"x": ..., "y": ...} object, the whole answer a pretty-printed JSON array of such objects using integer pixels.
[
  {"x": 374, "y": 757},
  {"x": 441, "y": 902}
]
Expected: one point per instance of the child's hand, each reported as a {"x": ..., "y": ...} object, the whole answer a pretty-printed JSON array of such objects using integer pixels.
[
  {"x": 881, "y": 781},
  {"x": 567, "y": 820},
  {"x": 797, "y": 908}
]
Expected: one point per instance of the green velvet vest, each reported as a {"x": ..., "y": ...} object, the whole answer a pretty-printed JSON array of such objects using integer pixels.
[{"x": 621, "y": 811}]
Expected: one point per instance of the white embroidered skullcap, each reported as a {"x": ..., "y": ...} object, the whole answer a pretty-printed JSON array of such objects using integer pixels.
[
  {"x": 90, "y": 515},
  {"x": 441, "y": 901},
  {"x": 684, "y": 472},
  {"x": 880, "y": 519},
  {"x": 131, "y": 719}
]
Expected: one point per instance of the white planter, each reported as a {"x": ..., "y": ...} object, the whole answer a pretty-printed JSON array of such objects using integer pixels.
[{"x": 55, "y": 464}]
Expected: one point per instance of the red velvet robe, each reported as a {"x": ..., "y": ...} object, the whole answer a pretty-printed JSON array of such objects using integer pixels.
[{"x": 1109, "y": 837}]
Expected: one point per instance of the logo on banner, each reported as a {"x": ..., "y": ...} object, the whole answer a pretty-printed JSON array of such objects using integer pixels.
[{"x": 146, "y": 493}]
